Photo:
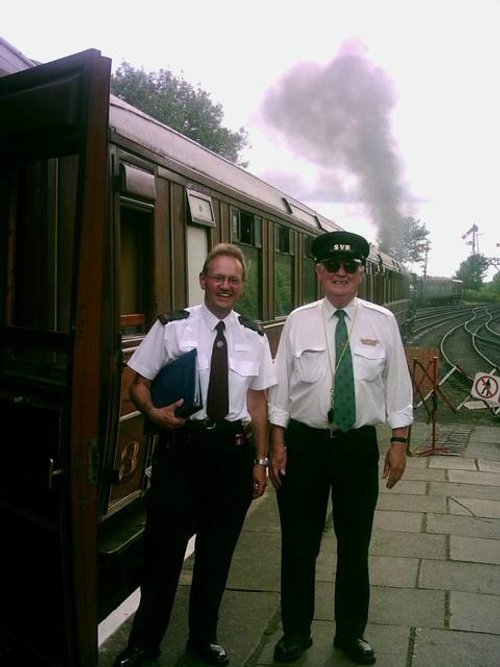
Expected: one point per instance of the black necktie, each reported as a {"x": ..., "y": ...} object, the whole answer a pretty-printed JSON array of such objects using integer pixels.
[{"x": 218, "y": 394}]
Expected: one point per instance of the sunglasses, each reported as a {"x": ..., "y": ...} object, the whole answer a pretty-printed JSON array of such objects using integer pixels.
[{"x": 350, "y": 265}]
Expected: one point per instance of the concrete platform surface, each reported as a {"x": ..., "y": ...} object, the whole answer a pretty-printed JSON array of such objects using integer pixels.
[{"x": 435, "y": 569}]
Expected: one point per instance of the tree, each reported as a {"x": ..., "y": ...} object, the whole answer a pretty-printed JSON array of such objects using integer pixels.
[
  {"x": 413, "y": 244},
  {"x": 491, "y": 291},
  {"x": 176, "y": 103},
  {"x": 472, "y": 271}
]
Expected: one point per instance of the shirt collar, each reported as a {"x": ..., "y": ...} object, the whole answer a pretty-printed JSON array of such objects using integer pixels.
[
  {"x": 212, "y": 320},
  {"x": 349, "y": 309}
]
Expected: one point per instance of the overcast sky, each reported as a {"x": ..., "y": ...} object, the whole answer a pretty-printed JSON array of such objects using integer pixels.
[{"x": 364, "y": 109}]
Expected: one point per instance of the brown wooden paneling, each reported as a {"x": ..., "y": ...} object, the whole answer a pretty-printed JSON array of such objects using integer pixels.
[
  {"x": 178, "y": 275},
  {"x": 162, "y": 249},
  {"x": 130, "y": 462}
]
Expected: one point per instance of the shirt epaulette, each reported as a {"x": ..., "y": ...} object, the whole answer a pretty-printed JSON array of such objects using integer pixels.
[
  {"x": 250, "y": 324},
  {"x": 173, "y": 315}
]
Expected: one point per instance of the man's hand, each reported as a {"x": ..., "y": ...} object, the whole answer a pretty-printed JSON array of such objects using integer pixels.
[
  {"x": 164, "y": 418},
  {"x": 259, "y": 480},
  {"x": 395, "y": 464},
  {"x": 277, "y": 456}
]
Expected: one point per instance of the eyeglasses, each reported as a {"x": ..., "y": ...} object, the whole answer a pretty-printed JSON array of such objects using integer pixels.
[
  {"x": 350, "y": 265},
  {"x": 220, "y": 280}
]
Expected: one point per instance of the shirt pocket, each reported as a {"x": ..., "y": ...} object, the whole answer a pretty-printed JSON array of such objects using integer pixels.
[
  {"x": 203, "y": 362},
  {"x": 244, "y": 368},
  {"x": 369, "y": 363},
  {"x": 310, "y": 364}
]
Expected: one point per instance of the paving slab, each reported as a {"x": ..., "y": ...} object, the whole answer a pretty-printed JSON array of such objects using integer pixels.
[
  {"x": 408, "y": 606},
  {"x": 411, "y": 545},
  {"x": 445, "y": 648},
  {"x": 407, "y": 522},
  {"x": 489, "y": 466},
  {"x": 469, "y": 477},
  {"x": 394, "y": 572},
  {"x": 487, "y": 509},
  {"x": 486, "y": 434},
  {"x": 459, "y": 576},
  {"x": 405, "y": 486},
  {"x": 485, "y": 450},
  {"x": 425, "y": 474},
  {"x": 447, "y": 463},
  {"x": 416, "y": 462},
  {"x": 474, "y": 612},
  {"x": 391, "y": 643},
  {"x": 402, "y": 502},
  {"x": 483, "y": 491},
  {"x": 475, "y": 549},
  {"x": 447, "y": 524}
]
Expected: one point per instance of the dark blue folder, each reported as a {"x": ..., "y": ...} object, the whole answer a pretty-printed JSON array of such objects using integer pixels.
[{"x": 178, "y": 379}]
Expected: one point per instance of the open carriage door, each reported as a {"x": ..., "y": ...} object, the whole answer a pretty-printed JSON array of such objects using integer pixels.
[{"x": 53, "y": 165}]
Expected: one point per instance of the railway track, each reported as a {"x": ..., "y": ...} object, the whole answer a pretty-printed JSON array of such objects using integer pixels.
[
  {"x": 471, "y": 347},
  {"x": 468, "y": 341}
]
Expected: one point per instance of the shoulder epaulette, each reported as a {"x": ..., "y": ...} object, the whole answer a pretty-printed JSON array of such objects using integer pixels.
[
  {"x": 173, "y": 315},
  {"x": 250, "y": 324}
]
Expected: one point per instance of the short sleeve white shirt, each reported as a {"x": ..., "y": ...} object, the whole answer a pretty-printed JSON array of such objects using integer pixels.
[{"x": 249, "y": 357}]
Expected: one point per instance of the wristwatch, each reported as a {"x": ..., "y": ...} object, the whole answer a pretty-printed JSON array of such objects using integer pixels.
[{"x": 261, "y": 462}]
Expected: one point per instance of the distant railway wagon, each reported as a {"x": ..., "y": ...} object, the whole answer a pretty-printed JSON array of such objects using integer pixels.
[
  {"x": 105, "y": 218},
  {"x": 435, "y": 291}
]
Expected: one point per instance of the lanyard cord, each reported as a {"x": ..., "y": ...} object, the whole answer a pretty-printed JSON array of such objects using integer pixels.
[{"x": 337, "y": 361}]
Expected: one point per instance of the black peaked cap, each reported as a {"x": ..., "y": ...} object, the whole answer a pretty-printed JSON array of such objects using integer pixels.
[{"x": 340, "y": 244}]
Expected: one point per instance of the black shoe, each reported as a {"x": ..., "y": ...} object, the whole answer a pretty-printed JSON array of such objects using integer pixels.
[
  {"x": 291, "y": 647},
  {"x": 134, "y": 657},
  {"x": 211, "y": 653},
  {"x": 357, "y": 649}
]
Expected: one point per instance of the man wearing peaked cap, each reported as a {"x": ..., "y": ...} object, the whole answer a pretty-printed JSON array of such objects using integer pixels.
[
  {"x": 334, "y": 244},
  {"x": 341, "y": 370}
]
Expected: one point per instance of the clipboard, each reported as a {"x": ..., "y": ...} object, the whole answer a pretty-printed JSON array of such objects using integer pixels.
[{"x": 178, "y": 379}]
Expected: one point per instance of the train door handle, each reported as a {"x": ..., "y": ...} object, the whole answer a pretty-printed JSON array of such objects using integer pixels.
[{"x": 53, "y": 473}]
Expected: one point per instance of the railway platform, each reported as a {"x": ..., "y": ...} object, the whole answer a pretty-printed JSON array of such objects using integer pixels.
[{"x": 435, "y": 569}]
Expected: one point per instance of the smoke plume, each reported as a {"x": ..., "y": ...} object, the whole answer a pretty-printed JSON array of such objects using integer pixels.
[{"x": 337, "y": 116}]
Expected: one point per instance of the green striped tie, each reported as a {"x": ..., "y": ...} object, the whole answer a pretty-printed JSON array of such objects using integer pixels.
[{"x": 344, "y": 400}]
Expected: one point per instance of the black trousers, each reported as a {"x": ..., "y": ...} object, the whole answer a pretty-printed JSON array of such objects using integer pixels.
[
  {"x": 345, "y": 467},
  {"x": 201, "y": 483}
]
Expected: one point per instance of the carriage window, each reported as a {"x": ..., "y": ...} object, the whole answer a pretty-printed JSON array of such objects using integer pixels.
[
  {"x": 135, "y": 268},
  {"x": 283, "y": 270},
  {"x": 247, "y": 233},
  {"x": 41, "y": 244},
  {"x": 37, "y": 264}
]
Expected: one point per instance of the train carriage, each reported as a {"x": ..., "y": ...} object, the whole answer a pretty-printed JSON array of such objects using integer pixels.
[
  {"x": 105, "y": 218},
  {"x": 437, "y": 291}
]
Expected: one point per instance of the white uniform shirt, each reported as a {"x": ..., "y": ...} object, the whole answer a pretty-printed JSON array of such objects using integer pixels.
[
  {"x": 382, "y": 381},
  {"x": 249, "y": 357}
]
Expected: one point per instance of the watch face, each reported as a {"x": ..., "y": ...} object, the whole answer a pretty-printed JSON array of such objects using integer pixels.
[{"x": 262, "y": 462}]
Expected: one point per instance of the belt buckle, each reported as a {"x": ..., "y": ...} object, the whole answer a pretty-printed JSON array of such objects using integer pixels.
[{"x": 333, "y": 431}]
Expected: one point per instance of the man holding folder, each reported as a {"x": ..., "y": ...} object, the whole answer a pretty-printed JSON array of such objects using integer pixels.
[{"x": 205, "y": 472}]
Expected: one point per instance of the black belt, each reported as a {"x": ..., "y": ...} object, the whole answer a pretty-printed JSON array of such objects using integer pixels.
[
  {"x": 195, "y": 425},
  {"x": 331, "y": 433}
]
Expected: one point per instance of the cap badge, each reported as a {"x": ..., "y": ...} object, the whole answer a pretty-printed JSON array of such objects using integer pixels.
[{"x": 339, "y": 247}]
